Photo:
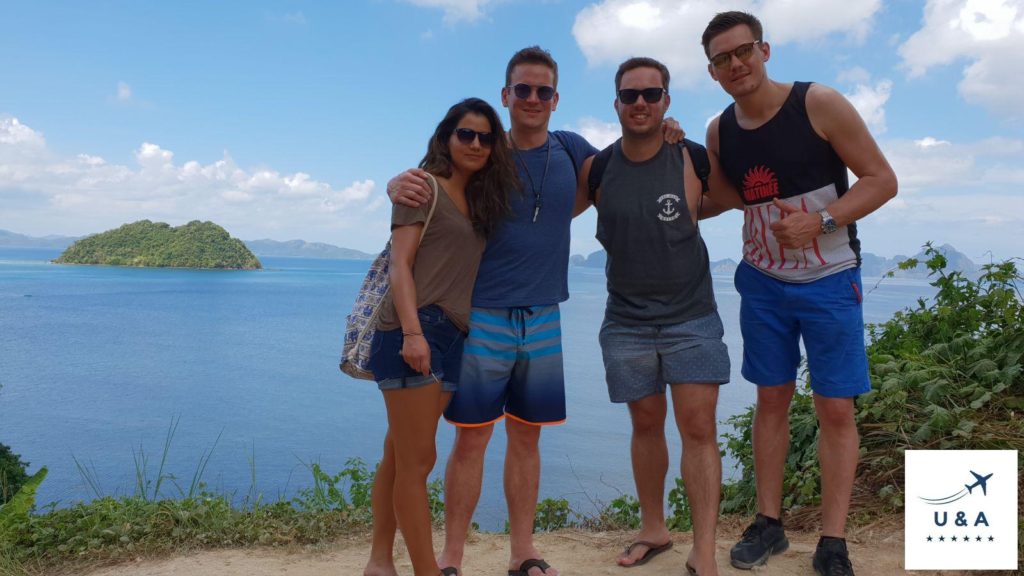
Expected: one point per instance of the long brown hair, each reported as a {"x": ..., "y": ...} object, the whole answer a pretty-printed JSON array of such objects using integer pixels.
[{"x": 488, "y": 189}]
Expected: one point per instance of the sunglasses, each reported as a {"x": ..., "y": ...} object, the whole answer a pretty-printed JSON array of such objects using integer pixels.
[
  {"x": 523, "y": 91},
  {"x": 651, "y": 95},
  {"x": 742, "y": 52},
  {"x": 467, "y": 135}
]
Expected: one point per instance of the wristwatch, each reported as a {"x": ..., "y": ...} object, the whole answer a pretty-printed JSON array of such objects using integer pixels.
[{"x": 828, "y": 223}]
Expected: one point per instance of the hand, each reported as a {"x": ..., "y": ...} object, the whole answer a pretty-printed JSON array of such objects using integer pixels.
[
  {"x": 410, "y": 188},
  {"x": 796, "y": 228},
  {"x": 672, "y": 130},
  {"x": 416, "y": 353}
]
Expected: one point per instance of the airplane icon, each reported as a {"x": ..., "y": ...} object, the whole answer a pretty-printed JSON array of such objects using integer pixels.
[{"x": 981, "y": 481}]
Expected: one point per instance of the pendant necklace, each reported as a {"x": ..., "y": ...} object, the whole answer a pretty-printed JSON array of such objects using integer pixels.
[{"x": 547, "y": 163}]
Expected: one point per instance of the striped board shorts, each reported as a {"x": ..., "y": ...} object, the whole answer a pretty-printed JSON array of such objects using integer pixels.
[{"x": 511, "y": 366}]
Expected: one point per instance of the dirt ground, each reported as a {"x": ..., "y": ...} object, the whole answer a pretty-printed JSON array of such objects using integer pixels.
[{"x": 875, "y": 551}]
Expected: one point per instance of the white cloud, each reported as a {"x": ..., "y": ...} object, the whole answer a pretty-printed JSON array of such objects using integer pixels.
[
  {"x": 608, "y": 32},
  {"x": 870, "y": 103},
  {"x": 295, "y": 18},
  {"x": 85, "y": 193},
  {"x": 989, "y": 35},
  {"x": 928, "y": 164},
  {"x": 599, "y": 133},
  {"x": 124, "y": 92},
  {"x": 855, "y": 75},
  {"x": 456, "y": 10}
]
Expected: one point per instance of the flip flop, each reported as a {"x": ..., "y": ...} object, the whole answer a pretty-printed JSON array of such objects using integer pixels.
[
  {"x": 524, "y": 568},
  {"x": 652, "y": 551},
  {"x": 690, "y": 570},
  {"x": 450, "y": 571}
]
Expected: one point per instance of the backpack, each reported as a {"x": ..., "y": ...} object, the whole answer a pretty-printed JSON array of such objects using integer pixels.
[
  {"x": 361, "y": 324},
  {"x": 698, "y": 156}
]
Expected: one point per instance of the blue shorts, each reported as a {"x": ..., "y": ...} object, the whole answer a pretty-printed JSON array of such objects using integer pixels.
[
  {"x": 512, "y": 367},
  {"x": 445, "y": 340},
  {"x": 827, "y": 312},
  {"x": 640, "y": 360}
]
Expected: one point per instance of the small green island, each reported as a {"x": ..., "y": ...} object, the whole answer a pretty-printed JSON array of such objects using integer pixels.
[{"x": 156, "y": 244}]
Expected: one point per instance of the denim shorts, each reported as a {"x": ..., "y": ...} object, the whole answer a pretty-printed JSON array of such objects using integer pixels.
[
  {"x": 445, "y": 341},
  {"x": 640, "y": 360},
  {"x": 828, "y": 313}
]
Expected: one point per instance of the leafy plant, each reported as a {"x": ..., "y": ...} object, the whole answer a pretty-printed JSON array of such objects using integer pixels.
[{"x": 13, "y": 473}]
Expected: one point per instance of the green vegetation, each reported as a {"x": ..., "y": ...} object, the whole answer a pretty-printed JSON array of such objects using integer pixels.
[
  {"x": 155, "y": 244},
  {"x": 13, "y": 473},
  {"x": 945, "y": 374}
]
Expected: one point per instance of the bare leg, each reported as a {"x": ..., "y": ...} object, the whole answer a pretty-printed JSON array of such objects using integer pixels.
[
  {"x": 649, "y": 454},
  {"x": 382, "y": 549},
  {"x": 462, "y": 480},
  {"x": 838, "y": 451},
  {"x": 522, "y": 482},
  {"x": 694, "y": 406},
  {"x": 412, "y": 419},
  {"x": 771, "y": 445}
]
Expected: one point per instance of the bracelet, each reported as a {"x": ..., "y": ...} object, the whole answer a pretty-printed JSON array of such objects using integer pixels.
[{"x": 412, "y": 333}]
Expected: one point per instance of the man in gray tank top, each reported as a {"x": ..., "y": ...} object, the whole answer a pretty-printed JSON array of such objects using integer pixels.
[{"x": 661, "y": 322}]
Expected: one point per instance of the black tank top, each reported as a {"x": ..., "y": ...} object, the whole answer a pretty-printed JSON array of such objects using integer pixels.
[
  {"x": 657, "y": 264},
  {"x": 785, "y": 158}
]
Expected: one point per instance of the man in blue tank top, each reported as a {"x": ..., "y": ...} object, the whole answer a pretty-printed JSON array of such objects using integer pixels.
[
  {"x": 783, "y": 151},
  {"x": 661, "y": 327},
  {"x": 512, "y": 363}
]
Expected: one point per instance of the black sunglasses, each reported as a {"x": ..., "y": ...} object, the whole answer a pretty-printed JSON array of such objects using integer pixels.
[
  {"x": 467, "y": 135},
  {"x": 523, "y": 91},
  {"x": 651, "y": 95}
]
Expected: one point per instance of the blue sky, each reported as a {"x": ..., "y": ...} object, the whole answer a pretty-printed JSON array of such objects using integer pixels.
[{"x": 285, "y": 120}]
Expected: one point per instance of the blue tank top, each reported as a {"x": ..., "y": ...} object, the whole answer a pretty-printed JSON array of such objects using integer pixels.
[{"x": 786, "y": 159}]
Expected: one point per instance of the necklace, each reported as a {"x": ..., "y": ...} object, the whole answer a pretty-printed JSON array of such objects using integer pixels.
[{"x": 547, "y": 163}]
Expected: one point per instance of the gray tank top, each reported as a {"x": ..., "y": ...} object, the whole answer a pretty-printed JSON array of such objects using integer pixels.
[{"x": 657, "y": 266}]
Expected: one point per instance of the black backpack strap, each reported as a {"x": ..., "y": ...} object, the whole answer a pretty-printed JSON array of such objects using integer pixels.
[
  {"x": 597, "y": 167},
  {"x": 570, "y": 150},
  {"x": 702, "y": 167}
]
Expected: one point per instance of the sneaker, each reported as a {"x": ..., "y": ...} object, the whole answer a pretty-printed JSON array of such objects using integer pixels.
[
  {"x": 760, "y": 540},
  {"x": 832, "y": 559}
]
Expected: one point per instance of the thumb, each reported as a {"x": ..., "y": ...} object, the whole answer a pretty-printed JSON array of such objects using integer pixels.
[{"x": 784, "y": 207}]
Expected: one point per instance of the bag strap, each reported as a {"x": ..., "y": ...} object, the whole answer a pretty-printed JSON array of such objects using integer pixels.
[
  {"x": 433, "y": 205},
  {"x": 563, "y": 139},
  {"x": 702, "y": 167},
  {"x": 597, "y": 167}
]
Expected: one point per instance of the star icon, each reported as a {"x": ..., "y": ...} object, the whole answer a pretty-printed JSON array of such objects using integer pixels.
[
  {"x": 967, "y": 538},
  {"x": 978, "y": 539},
  {"x": 953, "y": 539},
  {"x": 991, "y": 539},
  {"x": 929, "y": 538},
  {"x": 942, "y": 538}
]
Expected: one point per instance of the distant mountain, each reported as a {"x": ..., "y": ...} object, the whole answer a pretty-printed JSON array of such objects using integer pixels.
[
  {"x": 13, "y": 240},
  {"x": 303, "y": 249},
  {"x": 158, "y": 245},
  {"x": 872, "y": 265}
]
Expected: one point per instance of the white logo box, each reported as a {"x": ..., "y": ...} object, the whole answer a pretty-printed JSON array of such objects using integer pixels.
[{"x": 961, "y": 510}]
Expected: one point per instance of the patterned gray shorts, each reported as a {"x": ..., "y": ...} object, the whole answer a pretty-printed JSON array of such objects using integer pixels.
[{"x": 640, "y": 360}]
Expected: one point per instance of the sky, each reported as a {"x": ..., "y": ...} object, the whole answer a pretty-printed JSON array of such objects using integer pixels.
[{"x": 285, "y": 120}]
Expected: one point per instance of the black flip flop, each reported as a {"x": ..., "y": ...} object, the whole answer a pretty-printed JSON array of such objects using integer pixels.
[
  {"x": 450, "y": 571},
  {"x": 524, "y": 568},
  {"x": 690, "y": 570},
  {"x": 652, "y": 551}
]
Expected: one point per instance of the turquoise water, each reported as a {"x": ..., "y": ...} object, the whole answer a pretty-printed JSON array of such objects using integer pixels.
[{"x": 96, "y": 361}]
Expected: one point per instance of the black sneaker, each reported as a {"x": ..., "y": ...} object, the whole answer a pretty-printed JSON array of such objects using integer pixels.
[
  {"x": 832, "y": 559},
  {"x": 760, "y": 540}
]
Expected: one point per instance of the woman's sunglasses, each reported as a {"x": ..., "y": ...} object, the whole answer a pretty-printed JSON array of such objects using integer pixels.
[
  {"x": 651, "y": 95},
  {"x": 523, "y": 91},
  {"x": 467, "y": 135}
]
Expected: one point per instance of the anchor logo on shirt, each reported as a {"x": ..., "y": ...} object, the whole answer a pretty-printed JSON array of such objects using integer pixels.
[{"x": 669, "y": 207}]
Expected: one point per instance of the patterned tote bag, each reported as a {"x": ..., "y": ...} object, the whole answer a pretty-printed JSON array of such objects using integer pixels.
[{"x": 361, "y": 324}]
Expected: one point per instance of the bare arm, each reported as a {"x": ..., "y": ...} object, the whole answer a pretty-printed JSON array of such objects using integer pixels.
[
  {"x": 836, "y": 120},
  {"x": 722, "y": 195},
  {"x": 405, "y": 241},
  {"x": 583, "y": 188},
  {"x": 410, "y": 188}
]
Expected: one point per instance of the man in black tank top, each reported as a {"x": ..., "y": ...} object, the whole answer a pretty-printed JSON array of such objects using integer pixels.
[
  {"x": 661, "y": 323},
  {"x": 781, "y": 153}
]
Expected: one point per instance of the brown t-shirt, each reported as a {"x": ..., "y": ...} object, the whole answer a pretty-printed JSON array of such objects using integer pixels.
[{"x": 446, "y": 263}]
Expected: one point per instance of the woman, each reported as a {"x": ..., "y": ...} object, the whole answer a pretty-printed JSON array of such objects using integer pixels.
[{"x": 417, "y": 350}]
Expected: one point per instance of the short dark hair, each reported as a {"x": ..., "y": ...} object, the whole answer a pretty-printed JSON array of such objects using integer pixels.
[
  {"x": 488, "y": 189},
  {"x": 726, "y": 21},
  {"x": 641, "y": 62},
  {"x": 531, "y": 55}
]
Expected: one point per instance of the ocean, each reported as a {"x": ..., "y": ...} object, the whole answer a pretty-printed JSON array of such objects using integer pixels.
[{"x": 96, "y": 362}]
